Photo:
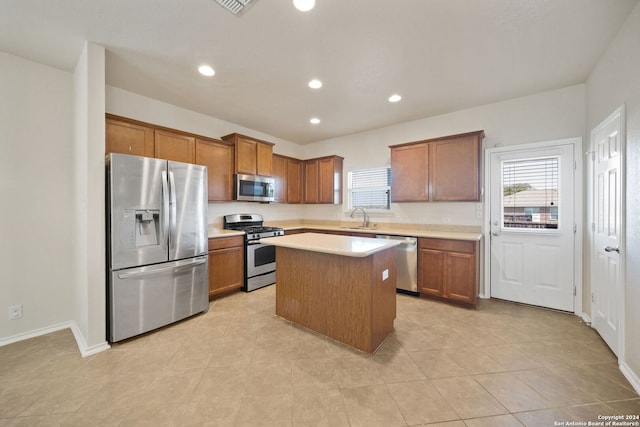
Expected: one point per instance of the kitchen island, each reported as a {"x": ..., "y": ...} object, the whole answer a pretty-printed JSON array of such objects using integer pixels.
[{"x": 340, "y": 286}]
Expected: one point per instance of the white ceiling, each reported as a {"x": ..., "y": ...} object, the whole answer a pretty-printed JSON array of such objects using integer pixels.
[{"x": 440, "y": 55}]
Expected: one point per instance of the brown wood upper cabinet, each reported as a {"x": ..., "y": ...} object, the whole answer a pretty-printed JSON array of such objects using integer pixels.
[
  {"x": 280, "y": 178},
  {"x": 323, "y": 180},
  {"x": 175, "y": 146},
  {"x": 295, "y": 176},
  {"x": 128, "y": 138},
  {"x": 253, "y": 156},
  {"x": 410, "y": 173},
  {"x": 311, "y": 185},
  {"x": 218, "y": 157},
  {"x": 438, "y": 169},
  {"x": 287, "y": 173}
]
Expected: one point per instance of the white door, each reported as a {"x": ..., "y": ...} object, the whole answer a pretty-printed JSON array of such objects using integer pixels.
[
  {"x": 606, "y": 281},
  {"x": 532, "y": 226}
]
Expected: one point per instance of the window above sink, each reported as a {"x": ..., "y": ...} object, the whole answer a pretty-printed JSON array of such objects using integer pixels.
[{"x": 370, "y": 189}]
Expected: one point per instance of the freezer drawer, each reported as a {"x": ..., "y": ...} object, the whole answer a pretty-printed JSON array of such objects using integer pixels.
[{"x": 145, "y": 298}]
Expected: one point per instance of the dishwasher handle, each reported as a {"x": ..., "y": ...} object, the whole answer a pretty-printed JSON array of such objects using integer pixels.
[{"x": 409, "y": 241}]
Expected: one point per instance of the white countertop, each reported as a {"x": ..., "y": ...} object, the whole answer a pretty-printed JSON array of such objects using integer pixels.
[
  {"x": 215, "y": 232},
  {"x": 332, "y": 244},
  {"x": 387, "y": 229}
]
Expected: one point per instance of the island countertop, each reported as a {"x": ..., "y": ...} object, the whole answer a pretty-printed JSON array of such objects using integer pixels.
[{"x": 332, "y": 244}]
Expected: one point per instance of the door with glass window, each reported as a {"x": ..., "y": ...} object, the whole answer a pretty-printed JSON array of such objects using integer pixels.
[{"x": 532, "y": 226}]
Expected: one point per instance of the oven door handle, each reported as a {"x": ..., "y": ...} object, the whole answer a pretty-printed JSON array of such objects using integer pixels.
[{"x": 254, "y": 242}]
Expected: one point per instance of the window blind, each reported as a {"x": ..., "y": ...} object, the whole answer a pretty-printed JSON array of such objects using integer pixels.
[
  {"x": 369, "y": 188},
  {"x": 530, "y": 193}
]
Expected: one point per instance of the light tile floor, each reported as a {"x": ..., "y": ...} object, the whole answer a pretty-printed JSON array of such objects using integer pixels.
[{"x": 503, "y": 364}]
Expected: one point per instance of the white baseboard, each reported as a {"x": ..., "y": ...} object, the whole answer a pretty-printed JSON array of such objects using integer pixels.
[
  {"x": 86, "y": 350},
  {"x": 586, "y": 319},
  {"x": 630, "y": 376},
  {"x": 80, "y": 342}
]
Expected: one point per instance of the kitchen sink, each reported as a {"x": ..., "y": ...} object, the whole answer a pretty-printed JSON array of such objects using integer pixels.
[{"x": 358, "y": 227}]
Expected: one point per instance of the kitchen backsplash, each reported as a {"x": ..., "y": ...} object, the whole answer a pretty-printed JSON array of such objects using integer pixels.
[{"x": 435, "y": 216}]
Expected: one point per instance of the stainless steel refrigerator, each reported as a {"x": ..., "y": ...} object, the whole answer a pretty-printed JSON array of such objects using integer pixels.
[{"x": 156, "y": 243}]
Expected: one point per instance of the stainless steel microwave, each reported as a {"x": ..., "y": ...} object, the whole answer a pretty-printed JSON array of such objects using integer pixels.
[{"x": 253, "y": 188}]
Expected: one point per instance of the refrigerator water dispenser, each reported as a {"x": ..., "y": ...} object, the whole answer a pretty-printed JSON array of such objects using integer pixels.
[{"x": 147, "y": 227}]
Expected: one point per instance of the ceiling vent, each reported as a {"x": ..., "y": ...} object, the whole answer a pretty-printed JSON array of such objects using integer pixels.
[{"x": 234, "y": 6}]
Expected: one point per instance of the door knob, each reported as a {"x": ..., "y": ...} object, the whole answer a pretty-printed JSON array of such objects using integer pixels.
[
  {"x": 611, "y": 249},
  {"x": 495, "y": 233}
]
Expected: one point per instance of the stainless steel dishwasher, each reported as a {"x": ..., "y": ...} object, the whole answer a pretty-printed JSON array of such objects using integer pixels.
[{"x": 407, "y": 263}]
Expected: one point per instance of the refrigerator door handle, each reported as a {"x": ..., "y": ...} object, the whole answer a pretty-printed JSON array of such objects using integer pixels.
[
  {"x": 173, "y": 207},
  {"x": 165, "y": 205},
  {"x": 152, "y": 272}
]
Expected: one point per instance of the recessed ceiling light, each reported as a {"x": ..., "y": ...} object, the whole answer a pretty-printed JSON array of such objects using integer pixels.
[
  {"x": 395, "y": 98},
  {"x": 304, "y": 5},
  {"x": 314, "y": 121},
  {"x": 315, "y": 84},
  {"x": 206, "y": 70}
]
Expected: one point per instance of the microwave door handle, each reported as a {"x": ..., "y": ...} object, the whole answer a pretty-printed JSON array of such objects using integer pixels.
[
  {"x": 173, "y": 209},
  {"x": 165, "y": 205}
]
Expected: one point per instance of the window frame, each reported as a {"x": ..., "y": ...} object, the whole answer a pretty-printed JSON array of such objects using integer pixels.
[
  {"x": 386, "y": 189},
  {"x": 532, "y": 230}
]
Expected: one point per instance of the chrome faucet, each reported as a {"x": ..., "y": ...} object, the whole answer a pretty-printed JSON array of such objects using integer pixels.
[{"x": 365, "y": 217}]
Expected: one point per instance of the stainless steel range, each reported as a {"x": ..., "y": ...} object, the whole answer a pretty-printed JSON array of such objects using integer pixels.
[{"x": 260, "y": 259}]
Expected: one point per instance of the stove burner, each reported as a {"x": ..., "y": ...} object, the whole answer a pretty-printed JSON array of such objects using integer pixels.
[{"x": 251, "y": 224}]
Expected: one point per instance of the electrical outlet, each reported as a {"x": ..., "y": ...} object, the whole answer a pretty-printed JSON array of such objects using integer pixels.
[
  {"x": 15, "y": 312},
  {"x": 446, "y": 220},
  {"x": 385, "y": 274}
]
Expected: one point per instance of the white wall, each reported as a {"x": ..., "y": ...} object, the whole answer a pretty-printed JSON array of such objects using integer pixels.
[
  {"x": 615, "y": 81},
  {"x": 545, "y": 116},
  {"x": 37, "y": 196},
  {"x": 89, "y": 201}
]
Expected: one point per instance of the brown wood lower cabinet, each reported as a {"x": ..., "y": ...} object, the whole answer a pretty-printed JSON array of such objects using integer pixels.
[
  {"x": 226, "y": 264},
  {"x": 448, "y": 269}
]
